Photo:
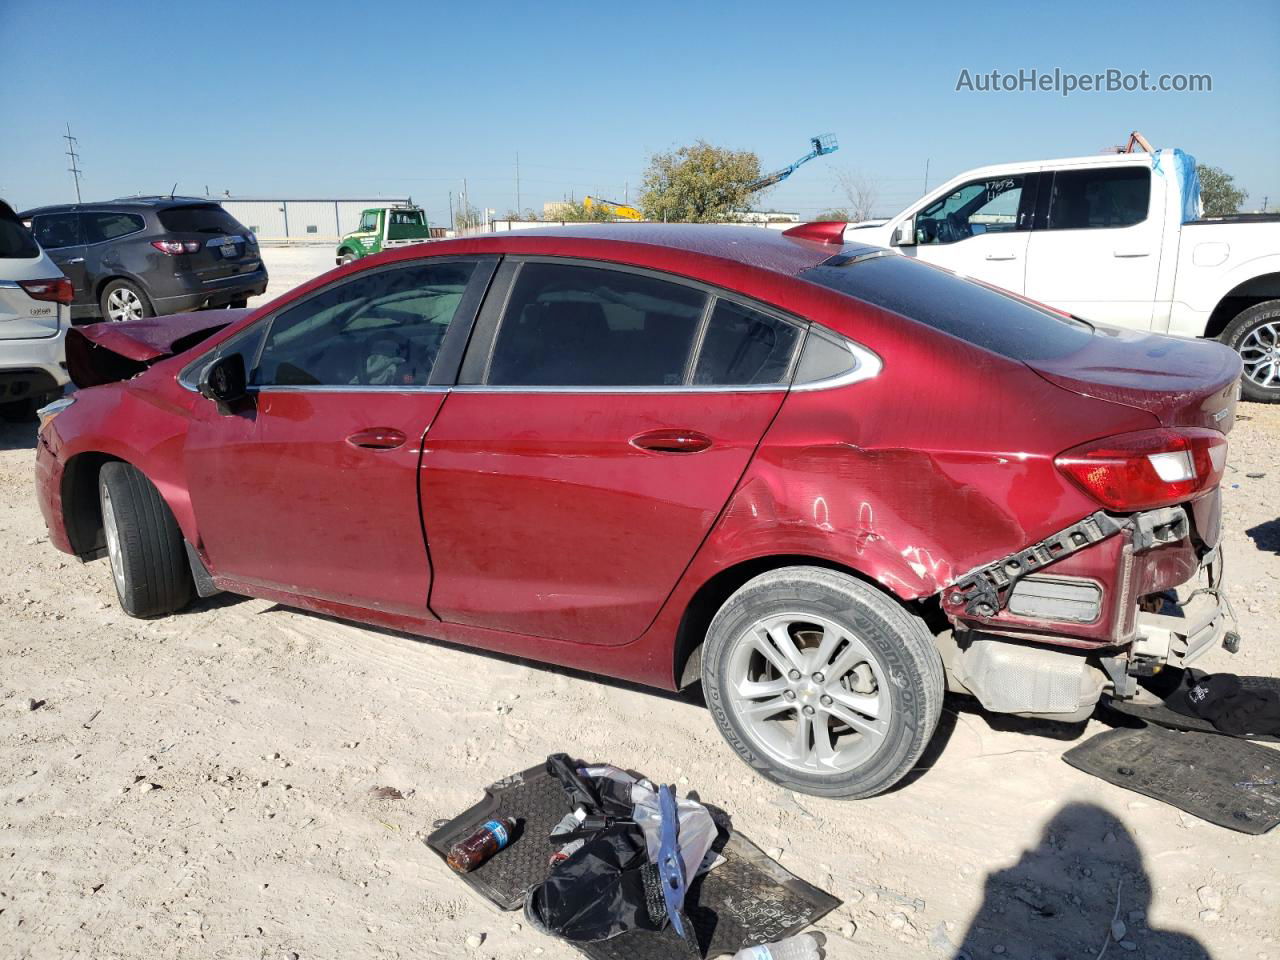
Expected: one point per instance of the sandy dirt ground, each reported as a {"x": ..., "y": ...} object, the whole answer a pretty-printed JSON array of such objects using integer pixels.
[{"x": 199, "y": 786}]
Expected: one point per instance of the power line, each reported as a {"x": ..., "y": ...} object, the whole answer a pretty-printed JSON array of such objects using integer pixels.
[{"x": 75, "y": 158}]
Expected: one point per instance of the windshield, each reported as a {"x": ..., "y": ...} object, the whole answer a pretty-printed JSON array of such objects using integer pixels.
[{"x": 977, "y": 314}]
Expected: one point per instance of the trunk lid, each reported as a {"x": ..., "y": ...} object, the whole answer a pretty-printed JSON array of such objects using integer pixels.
[
  {"x": 1183, "y": 383},
  {"x": 106, "y": 352},
  {"x": 227, "y": 248}
]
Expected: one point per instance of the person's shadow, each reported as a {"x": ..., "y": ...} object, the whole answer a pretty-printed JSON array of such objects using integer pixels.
[{"x": 1058, "y": 901}]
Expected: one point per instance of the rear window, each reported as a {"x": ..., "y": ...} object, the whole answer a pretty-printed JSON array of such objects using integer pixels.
[
  {"x": 16, "y": 242},
  {"x": 201, "y": 218},
  {"x": 965, "y": 310}
]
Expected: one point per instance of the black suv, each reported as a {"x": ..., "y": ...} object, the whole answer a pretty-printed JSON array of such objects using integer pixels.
[{"x": 142, "y": 256}]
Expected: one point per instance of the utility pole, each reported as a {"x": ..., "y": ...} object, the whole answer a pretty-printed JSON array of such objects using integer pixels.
[
  {"x": 519, "y": 209},
  {"x": 926, "y": 175},
  {"x": 450, "y": 209},
  {"x": 75, "y": 158}
]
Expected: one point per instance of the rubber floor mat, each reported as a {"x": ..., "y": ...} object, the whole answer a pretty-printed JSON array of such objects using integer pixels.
[
  {"x": 1152, "y": 704},
  {"x": 1220, "y": 779},
  {"x": 747, "y": 899}
]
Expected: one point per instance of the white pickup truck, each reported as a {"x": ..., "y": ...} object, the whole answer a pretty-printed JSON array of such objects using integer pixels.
[{"x": 1104, "y": 238}]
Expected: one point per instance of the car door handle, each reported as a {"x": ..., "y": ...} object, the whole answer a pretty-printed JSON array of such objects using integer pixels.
[
  {"x": 671, "y": 441},
  {"x": 1007, "y": 255},
  {"x": 1131, "y": 253},
  {"x": 377, "y": 438},
  {"x": 76, "y": 260}
]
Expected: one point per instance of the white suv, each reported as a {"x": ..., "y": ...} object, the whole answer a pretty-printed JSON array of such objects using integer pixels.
[{"x": 35, "y": 312}]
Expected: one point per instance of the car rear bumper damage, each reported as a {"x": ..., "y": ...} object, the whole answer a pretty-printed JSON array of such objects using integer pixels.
[{"x": 1057, "y": 676}]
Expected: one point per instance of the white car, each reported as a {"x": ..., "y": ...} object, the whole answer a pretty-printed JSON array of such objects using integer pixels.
[
  {"x": 1115, "y": 239},
  {"x": 35, "y": 313}
]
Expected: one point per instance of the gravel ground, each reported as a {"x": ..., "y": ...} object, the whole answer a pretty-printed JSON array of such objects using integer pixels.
[{"x": 200, "y": 785}]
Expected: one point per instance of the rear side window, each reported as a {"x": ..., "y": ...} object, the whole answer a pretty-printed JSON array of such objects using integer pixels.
[
  {"x": 1099, "y": 198},
  {"x": 99, "y": 227},
  {"x": 16, "y": 242},
  {"x": 966, "y": 310},
  {"x": 744, "y": 347},
  {"x": 55, "y": 230},
  {"x": 575, "y": 326},
  {"x": 199, "y": 218}
]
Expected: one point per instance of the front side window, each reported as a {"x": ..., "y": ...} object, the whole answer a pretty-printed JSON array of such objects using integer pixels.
[
  {"x": 368, "y": 222},
  {"x": 99, "y": 227},
  {"x": 381, "y": 329},
  {"x": 744, "y": 347},
  {"x": 55, "y": 230},
  {"x": 576, "y": 326},
  {"x": 983, "y": 206},
  {"x": 1099, "y": 198}
]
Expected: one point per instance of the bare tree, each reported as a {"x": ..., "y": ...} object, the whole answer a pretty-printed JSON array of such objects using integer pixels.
[{"x": 859, "y": 193}]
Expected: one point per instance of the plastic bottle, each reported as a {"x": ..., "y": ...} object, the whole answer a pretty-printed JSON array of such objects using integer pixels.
[
  {"x": 468, "y": 854},
  {"x": 803, "y": 946}
]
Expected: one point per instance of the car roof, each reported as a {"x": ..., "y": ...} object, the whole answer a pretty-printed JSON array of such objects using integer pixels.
[
  {"x": 753, "y": 246},
  {"x": 121, "y": 203}
]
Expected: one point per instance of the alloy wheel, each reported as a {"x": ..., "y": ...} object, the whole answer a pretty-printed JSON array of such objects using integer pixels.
[
  {"x": 123, "y": 304},
  {"x": 1260, "y": 351},
  {"x": 809, "y": 693},
  {"x": 114, "y": 552}
]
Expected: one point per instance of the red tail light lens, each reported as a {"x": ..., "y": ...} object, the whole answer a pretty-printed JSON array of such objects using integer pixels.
[
  {"x": 55, "y": 291},
  {"x": 1147, "y": 469},
  {"x": 175, "y": 247}
]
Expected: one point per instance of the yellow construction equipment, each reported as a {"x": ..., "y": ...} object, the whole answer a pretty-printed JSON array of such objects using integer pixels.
[{"x": 620, "y": 210}]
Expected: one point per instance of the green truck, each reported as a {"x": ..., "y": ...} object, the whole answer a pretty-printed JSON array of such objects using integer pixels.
[{"x": 383, "y": 228}]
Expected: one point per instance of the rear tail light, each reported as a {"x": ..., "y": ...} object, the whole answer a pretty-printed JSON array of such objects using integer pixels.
[
  {"x": 175, "y": 247},
  {"x": 1147, "y": 469},
  {"x": 55, "y": 291}
]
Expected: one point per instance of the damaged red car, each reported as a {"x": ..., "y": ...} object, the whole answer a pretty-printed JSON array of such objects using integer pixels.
[{"x": 825, "y": 482}]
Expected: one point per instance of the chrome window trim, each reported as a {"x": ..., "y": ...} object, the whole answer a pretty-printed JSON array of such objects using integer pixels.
[
  {"x": 346, "y": 388},
  {"x": 677, "y": 389},
  {"x": 866, "y": 366}
]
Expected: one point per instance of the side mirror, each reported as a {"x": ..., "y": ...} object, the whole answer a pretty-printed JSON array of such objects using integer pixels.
[
  {"x": 225, "y": 381},
  {"x": 904, "y": 234}
]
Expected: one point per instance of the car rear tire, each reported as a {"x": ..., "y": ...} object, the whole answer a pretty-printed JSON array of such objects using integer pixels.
[
  {"x": 1255, "y": 335},
  {"x": 148, "y": 561},
  {"x": 821, "y": 683},
  {"x": 124, "y": 300}
]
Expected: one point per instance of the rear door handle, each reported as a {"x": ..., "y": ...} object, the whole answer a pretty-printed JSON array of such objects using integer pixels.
[
  {"x": 76, "y": 260},
  {"x": 671, "y": 441},
  {"x": 1002, "y": 256},
  {"x": 1132, "y": 253},
  {"x": 377, "y": 438}
]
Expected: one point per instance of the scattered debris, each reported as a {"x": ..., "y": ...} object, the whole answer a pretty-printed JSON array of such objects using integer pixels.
[
  {"x": 33, "y": 704},
  {"x": 94, "y": 717},
  {"x": 385, "y": 793},
  {"x": 474, "y": 941},
  {"x": 1210, "y": 897}
]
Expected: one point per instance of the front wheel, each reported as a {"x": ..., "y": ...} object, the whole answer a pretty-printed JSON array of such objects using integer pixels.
[
  {"x": 1255, "y": 335},
  {"x": 822, "y": 683},
  {"x": 148, "y": 561},
  {"x": 346, "y": 257}
]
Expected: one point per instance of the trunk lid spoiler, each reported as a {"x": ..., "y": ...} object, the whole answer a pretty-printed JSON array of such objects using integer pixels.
[{"x": 101, "y": 353}]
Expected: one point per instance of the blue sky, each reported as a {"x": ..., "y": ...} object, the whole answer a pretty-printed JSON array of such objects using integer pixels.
[{"x": 394, "y": 98}]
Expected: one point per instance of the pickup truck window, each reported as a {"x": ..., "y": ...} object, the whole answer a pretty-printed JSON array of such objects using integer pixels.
[
  {"x": 969, "y": 311},
  {"x": 1101, "y": 197},
  {"x": 368, "y": 222},
  {"x": 406, "y": 218},
  {"x": 992, "y": 205}
]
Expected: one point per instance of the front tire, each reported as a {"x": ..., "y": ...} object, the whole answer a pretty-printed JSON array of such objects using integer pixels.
[
  {"x": 821, "y": 683},
  {"x": 1255, "y": 335},
  {"x": 346, "y": 257},
  {"x": 148, "y": 561},
  {"x": 124, "y": 300}
]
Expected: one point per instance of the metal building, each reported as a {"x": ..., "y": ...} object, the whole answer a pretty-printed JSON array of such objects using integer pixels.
[{"x": 302, "y": 220}]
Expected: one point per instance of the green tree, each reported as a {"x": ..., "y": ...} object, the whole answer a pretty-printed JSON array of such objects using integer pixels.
[
  {"x": 839, "y": 213},
  {"x": 698, "y": 183},
  {"x": 1218, "y": 192}
]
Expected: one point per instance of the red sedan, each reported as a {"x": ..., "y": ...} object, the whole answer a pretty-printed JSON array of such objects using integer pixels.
[{"x": 826, "y": 482}]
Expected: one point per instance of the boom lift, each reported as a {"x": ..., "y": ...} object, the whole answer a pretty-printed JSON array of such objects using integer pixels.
[
  {"x": 612, "y": 208},
  {"x": 822, "y": 144}
]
